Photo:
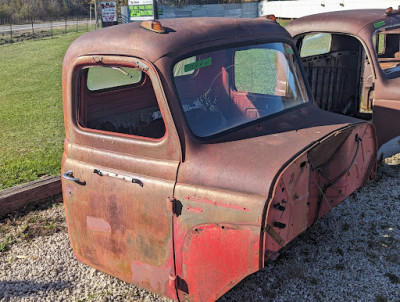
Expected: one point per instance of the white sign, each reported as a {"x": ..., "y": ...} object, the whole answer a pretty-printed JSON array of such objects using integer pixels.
[
  {"x": 141, "y": 10},
  {"x": 109, "y": 11}
]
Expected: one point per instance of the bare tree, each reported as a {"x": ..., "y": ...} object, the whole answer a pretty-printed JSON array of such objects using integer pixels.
[{"x": 31, "y": 10}]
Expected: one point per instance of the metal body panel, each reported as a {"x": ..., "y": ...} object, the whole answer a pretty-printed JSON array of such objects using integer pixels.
[
  {"x": 189, "y": 218},
  {"x": 318, "y": 180},
  {"x": 117, "y": 214}
]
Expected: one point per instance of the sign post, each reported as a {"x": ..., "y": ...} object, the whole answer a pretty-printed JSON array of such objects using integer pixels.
[{"x": 140, "y": 10}]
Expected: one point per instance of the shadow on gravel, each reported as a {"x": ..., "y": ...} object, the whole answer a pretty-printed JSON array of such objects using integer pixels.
[{"x": 10, "y": 289}]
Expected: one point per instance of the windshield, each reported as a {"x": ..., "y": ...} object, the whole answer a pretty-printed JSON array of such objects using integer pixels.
[
  {"x": 387, "y": 49},
  {"x": 226, "y": 88}
]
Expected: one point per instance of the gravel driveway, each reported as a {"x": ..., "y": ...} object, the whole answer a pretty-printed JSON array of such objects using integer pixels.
[{"x": 352, "y": 254}]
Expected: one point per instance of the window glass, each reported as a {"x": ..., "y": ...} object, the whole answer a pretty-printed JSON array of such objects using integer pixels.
[
  {"x": 316, "y": 44},
  {"x": 126, "y": 109},
  {"x": 179, "y": 69},
  {"x": 234, "y": 86},
  {"x": 100, "y": 78}
]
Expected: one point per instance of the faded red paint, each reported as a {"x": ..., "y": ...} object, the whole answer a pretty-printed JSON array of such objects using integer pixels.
[
  {"x": 204, "y": 216},
  {"x": 195, "y": 210},
  {"x": 218, "y": 203}
]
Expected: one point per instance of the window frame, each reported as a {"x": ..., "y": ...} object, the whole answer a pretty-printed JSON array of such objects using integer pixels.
[{"x": 79, "y": 99}]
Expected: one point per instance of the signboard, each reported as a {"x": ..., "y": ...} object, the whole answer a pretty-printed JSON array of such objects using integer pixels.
[
  {"x": 142, "y": 10},
  {"x": 108, "y": 11}
]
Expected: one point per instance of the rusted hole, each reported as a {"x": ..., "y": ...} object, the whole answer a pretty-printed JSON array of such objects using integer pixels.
[
  {"x": 283, "y": 189},
  {"x": 302, "y": 165}
]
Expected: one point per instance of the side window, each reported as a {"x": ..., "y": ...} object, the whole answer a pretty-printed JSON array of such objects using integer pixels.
[
  {"x": 119, "y": 100},
  {"x": 100, "y": 78},
  {"x": 316, "y": 44}
]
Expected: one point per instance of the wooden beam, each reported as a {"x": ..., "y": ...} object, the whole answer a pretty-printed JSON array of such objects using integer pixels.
[{"x": 31, "y": 193}]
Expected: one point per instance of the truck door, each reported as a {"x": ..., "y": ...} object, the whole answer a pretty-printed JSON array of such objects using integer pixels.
[{"x": 119, "y": 168}]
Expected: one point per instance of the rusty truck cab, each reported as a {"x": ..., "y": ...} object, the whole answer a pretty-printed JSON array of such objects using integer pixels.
[
  {"x": 194, "y": 152},
  {"x": 352, "y": 63}
]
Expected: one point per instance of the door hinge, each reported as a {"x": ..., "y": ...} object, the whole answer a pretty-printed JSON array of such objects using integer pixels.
[
  {"x": 178, "y": 283},
  {"x": 174, "y": 206}
]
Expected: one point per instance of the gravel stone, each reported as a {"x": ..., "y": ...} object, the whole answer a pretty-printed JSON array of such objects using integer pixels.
[{"x": 351, "y": 254}]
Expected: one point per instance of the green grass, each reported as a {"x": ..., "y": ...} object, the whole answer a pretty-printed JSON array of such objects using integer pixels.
[
  {"x": 31, "y": 111},
  {"x": 283, "y": 22}
]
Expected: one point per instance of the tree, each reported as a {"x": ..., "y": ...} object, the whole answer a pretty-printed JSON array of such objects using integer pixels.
[{"x": 31, "y": 10}]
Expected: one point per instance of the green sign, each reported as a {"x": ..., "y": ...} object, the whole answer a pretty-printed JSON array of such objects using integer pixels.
[
  {"x": 289, "y": 50},
  {"x": 198, "y": 64},
  {"x": 379, "y": 24},
  {"x": 141, "y": 11}
]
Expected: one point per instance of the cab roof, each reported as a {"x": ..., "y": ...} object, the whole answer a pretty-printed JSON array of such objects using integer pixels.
[
  {"x": 182, "y": 33},
  {"x": 349, "y": 21}
]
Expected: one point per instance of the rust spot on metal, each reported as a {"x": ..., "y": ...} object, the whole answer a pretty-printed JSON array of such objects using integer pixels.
[{"x": 274, "y": 235}]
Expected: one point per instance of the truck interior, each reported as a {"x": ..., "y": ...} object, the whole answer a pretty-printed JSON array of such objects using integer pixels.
[{"x": 339, "y": 73}]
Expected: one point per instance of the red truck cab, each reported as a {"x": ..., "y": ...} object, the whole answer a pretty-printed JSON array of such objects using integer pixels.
[{"x": 194, "y": 152}]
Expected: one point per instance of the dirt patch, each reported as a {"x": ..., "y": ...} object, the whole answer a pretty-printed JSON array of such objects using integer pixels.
[{"x": 42, "y": 227}]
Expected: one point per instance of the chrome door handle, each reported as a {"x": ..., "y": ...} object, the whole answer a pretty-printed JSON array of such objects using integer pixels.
[{"x": 70, "y": 176}]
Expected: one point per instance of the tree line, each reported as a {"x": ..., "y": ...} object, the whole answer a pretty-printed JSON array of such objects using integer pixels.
[{"x": 42, "y": 9}]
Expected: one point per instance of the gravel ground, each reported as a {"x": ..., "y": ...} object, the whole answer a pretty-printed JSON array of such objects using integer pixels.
[{"x": 352, "y": 254}]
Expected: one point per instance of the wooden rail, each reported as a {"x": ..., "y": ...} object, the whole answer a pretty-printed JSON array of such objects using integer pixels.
[{"x": 31, "y": 193}]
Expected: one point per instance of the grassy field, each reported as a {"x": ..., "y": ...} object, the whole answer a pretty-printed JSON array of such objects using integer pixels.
[{"x": 31, "y": 113}]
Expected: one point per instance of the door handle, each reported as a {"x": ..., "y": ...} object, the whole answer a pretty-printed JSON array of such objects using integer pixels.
[
  {"x": 70, "y": 176},
  {"x": 123, "y": 177}
]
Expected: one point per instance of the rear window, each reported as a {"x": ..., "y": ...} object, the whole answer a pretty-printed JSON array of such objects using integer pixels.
[{"x": 316, "y": 44}]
